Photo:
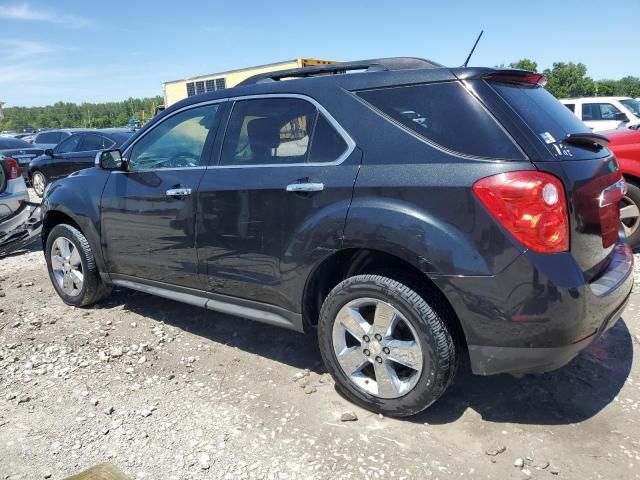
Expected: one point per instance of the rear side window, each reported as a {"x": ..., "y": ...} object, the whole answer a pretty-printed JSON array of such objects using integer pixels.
[
  {"x": 92, "y": 142},
  {"x": 279, "y": 131},
  {"x": 48, "y": 137},
  {"x": 448, "y": 115}
]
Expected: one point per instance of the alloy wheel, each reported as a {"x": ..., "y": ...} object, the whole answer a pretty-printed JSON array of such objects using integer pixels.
[
  {"x": 629, "y": 215},
  {"x": 38, "y": 183},
  {"x": 377, "y": 348},
  {"x": 66, "y": 265}
]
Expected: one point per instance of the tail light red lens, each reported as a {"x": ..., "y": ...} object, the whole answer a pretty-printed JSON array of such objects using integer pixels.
[
  {"x": 531, "y": 205},
  {"x": 13, "y": 169}
]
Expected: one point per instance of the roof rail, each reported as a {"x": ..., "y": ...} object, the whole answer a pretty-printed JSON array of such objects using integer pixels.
[{"x": 373, "y": 65}]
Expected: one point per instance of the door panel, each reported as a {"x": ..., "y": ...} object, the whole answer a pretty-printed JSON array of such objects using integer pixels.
[
  {"x": 147, "y": 233},
  {"x": 256, "y": 240},
  {"x": 148, "y": 213}
]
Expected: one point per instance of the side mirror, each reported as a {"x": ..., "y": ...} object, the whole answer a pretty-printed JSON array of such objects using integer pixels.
[
  {"x": 110, "y": 160},
  {"x": 49, "y": 152},
  {"x": 621, "y": 117}
]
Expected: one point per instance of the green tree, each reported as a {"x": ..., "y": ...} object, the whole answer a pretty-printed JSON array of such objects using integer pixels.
[
  {"x": 525, "y": 64},
  {"x": 569, "y": 80},
  {"x": 90, "y": 115}
]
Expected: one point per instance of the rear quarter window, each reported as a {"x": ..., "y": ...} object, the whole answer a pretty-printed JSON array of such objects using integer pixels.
[{"x": 447, "y": 115}]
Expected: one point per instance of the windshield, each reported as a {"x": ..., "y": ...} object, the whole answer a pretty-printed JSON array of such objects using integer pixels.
[
  {"x": 550, "y": 120},
  {"x": 633, "y": 105}
]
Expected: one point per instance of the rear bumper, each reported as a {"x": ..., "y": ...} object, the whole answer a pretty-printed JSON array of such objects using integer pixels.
[{"x": 539, "y": 313}]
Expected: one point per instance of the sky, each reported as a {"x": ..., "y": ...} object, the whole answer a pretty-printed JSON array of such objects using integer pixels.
[{"x": 89, "y": 51}]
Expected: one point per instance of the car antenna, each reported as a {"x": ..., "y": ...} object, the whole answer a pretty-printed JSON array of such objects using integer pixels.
[{"x": 473, "y": 49}]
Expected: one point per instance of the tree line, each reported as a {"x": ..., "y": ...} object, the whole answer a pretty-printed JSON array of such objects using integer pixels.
[
  {"x": 85, "y": 115},
  {"x": 568, "y": 79}
]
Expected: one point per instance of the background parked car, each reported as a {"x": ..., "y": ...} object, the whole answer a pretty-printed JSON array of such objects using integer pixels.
[
  {"x": 51, "y": 138},
  {"x": 20, "y": 150},
  {"x": 605, "y": 113},
  {"x": 625, "y": 144},
  {"x": 19, "y": 220},
  {"x": 76, "y": 152}
]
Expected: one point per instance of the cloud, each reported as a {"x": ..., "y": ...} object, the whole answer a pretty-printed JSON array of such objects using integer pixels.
[
  {"x": 12, "y": 49},
  {"x": 23, "y": 11}
]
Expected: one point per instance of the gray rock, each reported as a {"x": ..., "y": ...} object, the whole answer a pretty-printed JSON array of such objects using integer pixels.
[
  {"x": 145, "y": 413},
  {"x": 10, "y": 396},
  {"x": 496, "y": 450},
  {"x": 109, "y": 410},
  {"x": 204, "y": 461},
  {"x": 310, "y": 389},
  {"x": 348, "y": 416},
  {"x": 518, "y": 463},
  {"x": 94, "y": 401}
]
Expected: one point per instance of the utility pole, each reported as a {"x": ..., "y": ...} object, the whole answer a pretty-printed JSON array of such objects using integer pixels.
[{"x": 2, "y": 104}]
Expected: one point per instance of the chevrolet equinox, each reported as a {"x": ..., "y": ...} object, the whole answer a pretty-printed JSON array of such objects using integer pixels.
[{"x": 413, "y": 214}]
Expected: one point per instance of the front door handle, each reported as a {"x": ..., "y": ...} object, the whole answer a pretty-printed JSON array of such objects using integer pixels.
[
  {"x": 305, "y": 187},
  {"x": 178, "y": 192}
]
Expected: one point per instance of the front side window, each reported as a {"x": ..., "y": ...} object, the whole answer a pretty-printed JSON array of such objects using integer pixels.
[
  {"x": 69, "y": 145},
  {"x": 445, "y": 114},
  {"x": 177, "y": 142},
  {"x": 282, "y": 131},
  {"x": 599, "y": 111}
]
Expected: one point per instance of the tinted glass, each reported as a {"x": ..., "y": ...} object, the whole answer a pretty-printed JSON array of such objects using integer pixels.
[
  {"x": 599, "y": 111},
  {"x": 570, "y": 106},
  {"x": 445, "y": 114},
  {"x": 48, "y": 137},
  {"x": 268, "y": 131},
  {"x": 3, "y": 175},
  {"x": 92, "y": 142},
  {"x": 69, "y": 145},
  {"x": 546, "y": 117},
  {"x": 633, "y": 105},
  {"x": 327, "y": 144},
  {"x": 6, "y": 143},
  {"x": 177, "y": 142}
]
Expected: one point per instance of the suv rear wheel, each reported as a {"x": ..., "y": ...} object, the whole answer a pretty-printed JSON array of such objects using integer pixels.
[
  {"x": 72, "y": 267},
  {"x": 384, "y": 345},
  {"x": 630, "y": 214}
]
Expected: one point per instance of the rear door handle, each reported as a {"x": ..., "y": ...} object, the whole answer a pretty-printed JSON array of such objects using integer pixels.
[
  {"x": 305, "y": 187},
  {"x": 178, "y": 192}
]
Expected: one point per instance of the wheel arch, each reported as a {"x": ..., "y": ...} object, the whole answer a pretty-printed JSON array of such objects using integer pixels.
[{"x": 349, "y": 262}]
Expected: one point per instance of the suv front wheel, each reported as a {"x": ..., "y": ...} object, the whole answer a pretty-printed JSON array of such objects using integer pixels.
[
  {"x": 72, "y": 267},
  {"x": 387, "y": 349}
]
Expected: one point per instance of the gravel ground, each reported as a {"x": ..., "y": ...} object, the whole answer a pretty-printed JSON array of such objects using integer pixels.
[{"x": 168, "y": 391}]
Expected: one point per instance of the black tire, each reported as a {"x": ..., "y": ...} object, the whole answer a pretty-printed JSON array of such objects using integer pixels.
[
  {"x": 93, "y": 288},
  {"x": 40, "y": 190},
  {"x": 436, "y": 341},
  {"x": 632, "y": 226}
]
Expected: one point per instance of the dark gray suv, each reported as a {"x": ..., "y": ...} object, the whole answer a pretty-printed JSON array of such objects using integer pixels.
[{"x": 409, "y": 212}]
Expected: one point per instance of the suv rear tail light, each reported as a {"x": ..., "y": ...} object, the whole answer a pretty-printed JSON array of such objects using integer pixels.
[
  {"x": 532, "y": 207},
  {"x": 13, "y": 169}
]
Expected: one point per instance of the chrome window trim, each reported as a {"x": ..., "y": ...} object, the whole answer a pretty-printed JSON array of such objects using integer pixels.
[{"x": 351, "y": 144}]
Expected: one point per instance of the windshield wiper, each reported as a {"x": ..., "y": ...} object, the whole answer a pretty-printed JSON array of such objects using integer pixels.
[{"x": 587, "y": 140}]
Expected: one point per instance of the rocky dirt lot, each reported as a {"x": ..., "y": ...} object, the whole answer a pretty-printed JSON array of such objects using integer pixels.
[{"x": 168, "y": 391}]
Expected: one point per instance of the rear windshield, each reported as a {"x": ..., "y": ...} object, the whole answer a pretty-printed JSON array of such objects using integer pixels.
[
  {"x": 445, "y": 114},
  {"x": 550, "y": 120}
]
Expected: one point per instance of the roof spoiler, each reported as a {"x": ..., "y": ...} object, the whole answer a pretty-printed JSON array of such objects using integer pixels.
[
  {"x": 372, "y": 65},
  {"x": 517, "y": 76}
]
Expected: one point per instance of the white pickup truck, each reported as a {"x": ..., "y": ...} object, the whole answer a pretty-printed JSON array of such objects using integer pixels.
[{"x": 605, "y": 113}]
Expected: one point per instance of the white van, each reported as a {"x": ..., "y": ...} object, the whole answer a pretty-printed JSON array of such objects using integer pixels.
[{"x": 605, "y": 113}]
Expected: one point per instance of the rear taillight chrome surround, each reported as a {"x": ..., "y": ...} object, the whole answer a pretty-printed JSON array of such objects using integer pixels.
[{"x": 530, "y": 205}]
